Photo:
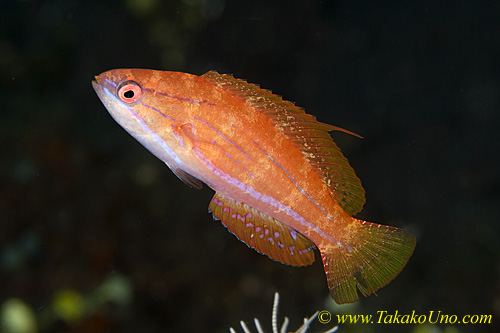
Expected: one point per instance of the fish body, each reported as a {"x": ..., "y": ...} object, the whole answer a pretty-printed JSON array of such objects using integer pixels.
[{"x": 282, "y": 185}]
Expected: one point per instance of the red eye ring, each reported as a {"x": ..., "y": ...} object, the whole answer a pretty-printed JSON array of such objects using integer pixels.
[{"x": 129, "y": 91}]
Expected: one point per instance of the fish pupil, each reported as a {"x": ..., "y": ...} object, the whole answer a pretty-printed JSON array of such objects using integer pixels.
[{"x": 129, "y": 94}]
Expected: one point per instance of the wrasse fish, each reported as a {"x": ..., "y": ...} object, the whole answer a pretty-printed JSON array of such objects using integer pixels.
[{"x": 282, "y": 185}]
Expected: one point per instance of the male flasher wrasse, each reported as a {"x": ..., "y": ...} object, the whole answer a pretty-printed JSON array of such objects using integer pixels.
[{"x": 282, "y": 185}]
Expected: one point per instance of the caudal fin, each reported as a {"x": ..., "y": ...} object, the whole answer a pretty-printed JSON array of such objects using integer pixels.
[{"x": 379, "y": 255}]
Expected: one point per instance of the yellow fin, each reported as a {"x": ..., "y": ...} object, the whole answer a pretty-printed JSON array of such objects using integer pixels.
[
  {"x": 309, "y": 135},
  {"x": 380, "y": 254}
]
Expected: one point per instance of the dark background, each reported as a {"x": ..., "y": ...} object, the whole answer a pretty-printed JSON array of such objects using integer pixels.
[{"x": 97, "y": 235}]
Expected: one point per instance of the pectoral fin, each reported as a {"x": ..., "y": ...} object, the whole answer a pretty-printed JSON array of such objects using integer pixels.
[
  {"x": 185, "y": 137},
  {"x": 262, "y": 232}
]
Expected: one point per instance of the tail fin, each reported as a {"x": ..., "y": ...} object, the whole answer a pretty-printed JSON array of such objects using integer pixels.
[{"x": 376, "y": 259}]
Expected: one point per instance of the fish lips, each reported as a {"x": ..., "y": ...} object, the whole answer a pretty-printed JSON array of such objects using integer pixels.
[{"x": 104, "y": 87}]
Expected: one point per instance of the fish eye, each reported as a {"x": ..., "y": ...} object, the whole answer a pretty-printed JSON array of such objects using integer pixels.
[{"x": 129, "y": 91}]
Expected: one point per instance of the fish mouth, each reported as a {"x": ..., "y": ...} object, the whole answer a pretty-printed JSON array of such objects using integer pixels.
[
  {"x": 95, "y": 82},
  {"x": 100, "y": 88},
  {"x": 103, "y": 83},
  {"x": 97, "y": 88},
  {"x": 100, "y": 85}
]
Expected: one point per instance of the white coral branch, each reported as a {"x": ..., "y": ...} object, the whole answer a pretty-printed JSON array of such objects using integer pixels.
[{"x": 284, "y": 326}]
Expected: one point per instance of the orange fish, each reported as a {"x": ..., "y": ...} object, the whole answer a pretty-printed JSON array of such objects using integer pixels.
[{"x": 282, "y": 185}]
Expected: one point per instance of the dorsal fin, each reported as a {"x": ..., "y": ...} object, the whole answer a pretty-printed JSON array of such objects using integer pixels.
[
  {"x": 262, "y": 233},
  {"x": 309, "y": 135}
]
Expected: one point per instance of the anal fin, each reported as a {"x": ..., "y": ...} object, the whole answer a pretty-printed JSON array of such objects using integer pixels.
[{"x": 262, "y": 232}]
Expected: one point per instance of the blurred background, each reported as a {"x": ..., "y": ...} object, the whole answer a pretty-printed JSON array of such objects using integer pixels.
[{"x": 97, "y": 235}]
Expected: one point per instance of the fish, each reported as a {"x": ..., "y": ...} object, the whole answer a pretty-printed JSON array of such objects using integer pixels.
[{"x": 282, "y": 185}]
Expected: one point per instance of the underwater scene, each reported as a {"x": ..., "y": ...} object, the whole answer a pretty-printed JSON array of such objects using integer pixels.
[{"x": 264, "y": 166}]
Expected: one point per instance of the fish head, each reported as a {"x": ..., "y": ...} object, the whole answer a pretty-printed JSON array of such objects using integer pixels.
[
  {"x": 149, "y": 105},
  {"x": 126, "y": 94}
]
